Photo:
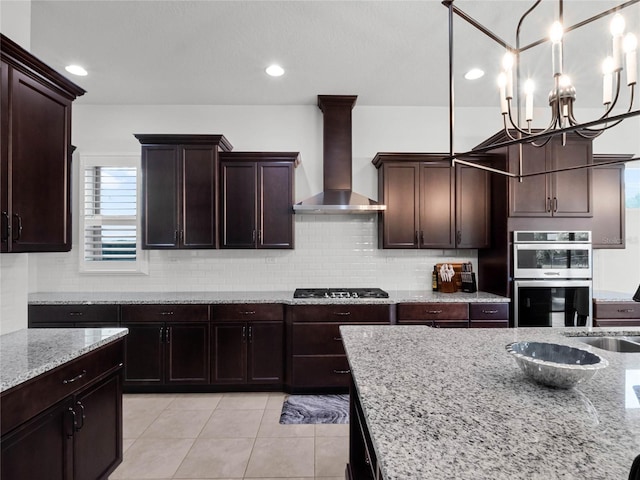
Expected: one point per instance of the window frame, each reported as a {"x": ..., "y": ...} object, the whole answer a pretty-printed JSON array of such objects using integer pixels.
[{"x": 140, "y": 266}]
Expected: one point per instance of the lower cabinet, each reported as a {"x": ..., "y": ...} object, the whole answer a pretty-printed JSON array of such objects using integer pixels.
[
  {"x": 73, "y": 316},
  {"x": 166, "y": 345},
  {"x": 316, "y": 360},
  {"x": 76, "y": 437},
  {"x": 454, "y": 314},
  {"x": 616, "y": 314},
  {"x": 247, "y": 345},
  {"x": 363, "y": 464},
  {"x": 489, "y": 315}
]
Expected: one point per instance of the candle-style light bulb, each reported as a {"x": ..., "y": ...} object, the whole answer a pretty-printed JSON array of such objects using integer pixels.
[
  {"x": 507, "y": 64},
  {"x": 555, "y": 34},
  {"x": 630, "y": 46},
  {"x": 529, "y": 87},
  {"x": 502, "y": 85},
  {"x": 607, "y": 80},
  {"x": 617, "y": 29}
]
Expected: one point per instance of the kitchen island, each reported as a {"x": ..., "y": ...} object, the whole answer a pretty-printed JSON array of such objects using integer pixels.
[{"x": 452, "y": 404}]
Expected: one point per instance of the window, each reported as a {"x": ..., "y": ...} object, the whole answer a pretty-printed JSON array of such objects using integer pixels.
[
  {"x": 632, "y": 187},
  {"x": 108, "y": 214}
]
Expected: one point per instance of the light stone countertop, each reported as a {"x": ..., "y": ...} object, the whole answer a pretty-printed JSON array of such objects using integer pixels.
[
  {"x": 283, "y": 297},
  {"x": 601, "y": 296},
  {"x": 453, "y": 404},
  {"x": 29, "y": 352}
]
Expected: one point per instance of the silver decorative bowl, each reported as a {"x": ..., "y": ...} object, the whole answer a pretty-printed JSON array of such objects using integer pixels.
[{"x": 556, "y": 365}]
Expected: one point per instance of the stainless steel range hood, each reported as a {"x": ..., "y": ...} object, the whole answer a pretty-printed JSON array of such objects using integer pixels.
[{"x": 337, "y": 196}]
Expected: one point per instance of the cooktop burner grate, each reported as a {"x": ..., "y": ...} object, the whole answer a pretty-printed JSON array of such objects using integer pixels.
[{"x": 340, "y": 293}]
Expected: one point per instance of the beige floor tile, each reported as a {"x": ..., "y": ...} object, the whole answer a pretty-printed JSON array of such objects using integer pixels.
[
  {"x": 178, "y": 424},
  {"x": 281, "y": 457},
  {"x": 126, "y": 443},
  {"x": 147, "y": 401},
  {"x": 216, "y": 458},
  {"x": 195, "y": 401},
  {"x": 135, "y": 422},
  {"x": 243, "y": 401},
  {"x": 332, "y": 455},
  {"x": 152, "y": 458},
  {"x": 232, "y": 424},
  {"x": 332, "y": 430},
  {"x": 276, "y": 399},
  {"x": 271, "y": 427}
]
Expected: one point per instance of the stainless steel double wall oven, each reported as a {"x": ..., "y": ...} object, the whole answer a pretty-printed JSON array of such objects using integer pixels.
[{"x": 552, "y": 279}]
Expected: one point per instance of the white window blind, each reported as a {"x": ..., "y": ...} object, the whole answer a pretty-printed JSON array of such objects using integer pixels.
[{"x": 109, "y": 215}]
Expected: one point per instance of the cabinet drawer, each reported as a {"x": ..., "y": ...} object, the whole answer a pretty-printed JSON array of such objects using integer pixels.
[
  {"x": 341, "y": 313},
  {"x": 164, "y": 313},
  {"x": 616, "y": 310},
  {"x": 489, "y": 311},
  {"x": 432, "y": 311},
  {"x": 320, "y": 371},
  {"x": 616, "y": 322},
  {"x": 247, "y": 312},
  {"x": 62, "y": 314},
  {"x": 489, "y": 323},
  {"x": 317, "y": 339},
  {"x": 36, "y": 395}
]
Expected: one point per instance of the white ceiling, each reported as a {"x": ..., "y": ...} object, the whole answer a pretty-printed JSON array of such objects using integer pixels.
[{"x": 388, "y": 52}]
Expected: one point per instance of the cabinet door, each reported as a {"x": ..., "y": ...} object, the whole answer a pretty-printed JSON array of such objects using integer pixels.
[
  {"x": 40, "y": 123},
  {"x": 472, "y": 208},
  {"x": 437, "y": 206},
  {"x": 4, "y": 157},
  {"x": 160, "y": 228},
  {"x": 97, "y": 448},
  {"x": 608, "y": 226},
  {"x": 530, "y": 196},
  {"x": 144, "y": 353},
  {"x": 275, "y": 200},
  {"x": 187, "y": 347},
  {"x": 239, "y": 204},
  {"x": 399, "y": 225},
  {"x": 229, "y": 352},
  {"x": 41, "y": 448},
  {"x": 199, "y": 207},
  {"x": 265, "y": 352},
  {"x": 571, "y": 189}
]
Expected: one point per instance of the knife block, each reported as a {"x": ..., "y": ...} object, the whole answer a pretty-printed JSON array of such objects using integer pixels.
[{"x": 448, "y": 287}]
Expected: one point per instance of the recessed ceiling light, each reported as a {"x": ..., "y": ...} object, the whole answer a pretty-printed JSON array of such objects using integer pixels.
[
  {"x": 275, "y": 70},
  {"x": 76, "y": 70},
  {"x": 474, "y": 74}
]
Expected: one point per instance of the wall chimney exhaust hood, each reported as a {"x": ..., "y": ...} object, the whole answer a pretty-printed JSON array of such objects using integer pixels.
[{"x": 337, "y": 196}]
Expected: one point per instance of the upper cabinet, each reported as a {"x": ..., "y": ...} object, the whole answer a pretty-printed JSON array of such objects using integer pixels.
[
  {"x": 608, "y": 226},
  {"x": 558, "y": 194},
  {"x": 179, "y": 190},
  {"x": 35, "y": 153},
  {"x": 257, "y": 195},
  {"x": 430, "y": 204}
]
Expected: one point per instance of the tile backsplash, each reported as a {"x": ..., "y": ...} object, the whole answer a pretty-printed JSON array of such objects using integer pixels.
[{"x": 330, "y": 251}]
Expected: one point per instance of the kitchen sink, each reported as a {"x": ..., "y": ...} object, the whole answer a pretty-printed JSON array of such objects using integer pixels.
[{"x": 613, "y": 344}]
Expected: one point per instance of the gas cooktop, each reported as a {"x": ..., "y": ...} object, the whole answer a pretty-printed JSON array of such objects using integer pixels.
[{"x": 340, "y": 293}]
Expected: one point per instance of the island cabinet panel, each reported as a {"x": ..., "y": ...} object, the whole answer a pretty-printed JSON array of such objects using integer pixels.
[
  {"x": 363, "y": 463},
  {"x": 616, "y": 314},
  {"x": 445, "y": 315},
  {"x": 167, "y": 345},
  {"x": 247, "y": 345},
  {"x": 67, "y": 423},
  {"x": 430, "y": 204},
  {"x": 257, "y": 195},
  {"x": 35, "y": 156},
  {"x": 180, "y": 190},
  {"x": 316, "y": 360},
  {"x": 80, "y": 316}
]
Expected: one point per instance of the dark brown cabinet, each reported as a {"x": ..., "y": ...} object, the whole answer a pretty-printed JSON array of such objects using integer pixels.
[
  {"x": 316, "y": 360},
  {"x": 73, "y": 316},
  {"x": 431, "y": 205},
  {"x": 257, "y": 192},
  {"x": 609, "y": 216},
  {"x": 247, "y": 344},
  {"x": 35, "y": 156},
  {"x": 167, "y": 345},
  {"x": 66, "y": 430},
  {"x": 179, "y": 190},
  {"x": 454, "y": 314},
  {"x": 616, "y": 313}
]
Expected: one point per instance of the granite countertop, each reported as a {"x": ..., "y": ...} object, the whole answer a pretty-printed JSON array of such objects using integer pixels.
[
  {"x": 610, "y": 296},
  {"x": 27, "y": 353},
  {"x": 451, "y": 403},
  {"x": 283, "y": 297}
]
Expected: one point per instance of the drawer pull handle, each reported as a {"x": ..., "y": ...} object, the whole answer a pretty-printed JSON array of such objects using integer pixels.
[
  {"x": 625, "y": 310},
  {"x": 337, "y": 339},
  {"x": 76, "y": 314},
  {"x": 490, "y": 312},
  {"x": 342, "y": 314},
  {"x": 248, "y": 312},
  {"x": 434, "y": 312},
  {"x": 342, "y": 372},
  {"x": 166, "y": 313},
  {"x": 77, "y": 377}
]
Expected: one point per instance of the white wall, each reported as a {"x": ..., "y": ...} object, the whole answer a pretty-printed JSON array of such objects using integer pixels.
[{"x": 15, "y": 21}]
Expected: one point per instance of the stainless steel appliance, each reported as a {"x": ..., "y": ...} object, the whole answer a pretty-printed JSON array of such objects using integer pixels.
[
  {"x": 354, "y": 293},
  {"x": 552, "y": 274}
]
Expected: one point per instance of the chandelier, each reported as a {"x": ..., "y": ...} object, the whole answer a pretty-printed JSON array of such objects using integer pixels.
[{"x": 563, "y": 94}]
